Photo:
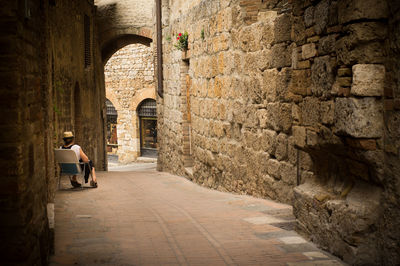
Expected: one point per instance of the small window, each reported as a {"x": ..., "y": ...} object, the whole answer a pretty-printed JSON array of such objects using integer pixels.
[{"x": 88, "y": 60}]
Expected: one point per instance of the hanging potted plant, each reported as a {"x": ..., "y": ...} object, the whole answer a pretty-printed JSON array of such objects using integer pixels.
[{"x": 182, "y": 41}]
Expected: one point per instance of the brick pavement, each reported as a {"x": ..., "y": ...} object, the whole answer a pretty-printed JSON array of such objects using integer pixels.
[{"x": 144, "y": 217}]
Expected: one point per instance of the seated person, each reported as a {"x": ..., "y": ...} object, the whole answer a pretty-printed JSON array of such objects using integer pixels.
[{"x": 69, "y": 144}]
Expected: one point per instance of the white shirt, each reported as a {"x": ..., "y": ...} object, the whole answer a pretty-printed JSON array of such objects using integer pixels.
[{"x": 77, "y": 149}]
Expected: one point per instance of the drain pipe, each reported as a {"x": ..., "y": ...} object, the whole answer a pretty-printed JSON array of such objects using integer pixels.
[
  {"x": 160, "y": 78},
  {"x": 298, "y": 168}
]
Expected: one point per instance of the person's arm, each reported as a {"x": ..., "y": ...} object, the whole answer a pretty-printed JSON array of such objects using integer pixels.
[{"x": 83, "y": 156}]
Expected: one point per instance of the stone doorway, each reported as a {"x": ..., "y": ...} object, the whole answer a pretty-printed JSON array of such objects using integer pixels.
[
  {"x": 112, "y": 136},
  {"x": 147, "y": 112}
]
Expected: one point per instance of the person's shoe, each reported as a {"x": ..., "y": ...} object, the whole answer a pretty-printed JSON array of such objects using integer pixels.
[
  {"x": 75, "y": 184},
  {"x": 93, "y": 184}
]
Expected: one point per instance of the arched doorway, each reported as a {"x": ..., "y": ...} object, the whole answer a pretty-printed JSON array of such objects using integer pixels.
[
  {"x": 147, "y": 112},
  {"x": 112, "y": 118}
]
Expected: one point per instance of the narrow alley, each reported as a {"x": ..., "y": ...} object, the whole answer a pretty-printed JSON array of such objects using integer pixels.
[
  {"x": 284, "y": 115},
  {"x": 145, "y": 217}
]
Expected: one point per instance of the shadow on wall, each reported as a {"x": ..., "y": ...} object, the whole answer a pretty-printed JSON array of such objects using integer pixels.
[{"x": 343, "y": 197}]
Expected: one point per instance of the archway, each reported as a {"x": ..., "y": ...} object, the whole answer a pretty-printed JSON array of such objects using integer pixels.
[
  {"x": 119, "y": 42},
  {"x": 129, "y": 79}
]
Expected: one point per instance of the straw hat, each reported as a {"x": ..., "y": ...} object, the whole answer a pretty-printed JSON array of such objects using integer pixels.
[{"x": 68, "y": 134}]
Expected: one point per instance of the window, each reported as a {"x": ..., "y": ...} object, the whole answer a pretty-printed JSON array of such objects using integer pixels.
[
  {"x": 88, "y": 58},
  {"x": 148, "y": 108}
]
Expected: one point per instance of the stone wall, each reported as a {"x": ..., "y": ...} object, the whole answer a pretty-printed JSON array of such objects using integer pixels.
[
  {"x": 78, "y": 94},
  {"x": 23, "y": 191},
  {"x": 42, "y": 61},
  {"x": 129, "y": 76},
  {"x": 295, "y": 101}
]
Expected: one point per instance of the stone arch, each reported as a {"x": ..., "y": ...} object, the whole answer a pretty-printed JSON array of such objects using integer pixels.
[
  {"x": 120, "y": 41},
  {"x": 120, "y": 23}
]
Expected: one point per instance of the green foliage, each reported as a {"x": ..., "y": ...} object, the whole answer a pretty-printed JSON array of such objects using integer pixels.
[
  {"x": 168, "y": 38},
  {"x": 182, "y": 41},
  {"x": 202, "y": 34}
]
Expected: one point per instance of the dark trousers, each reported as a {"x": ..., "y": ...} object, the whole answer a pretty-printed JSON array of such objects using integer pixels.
[{"x": 88, "y": 169}]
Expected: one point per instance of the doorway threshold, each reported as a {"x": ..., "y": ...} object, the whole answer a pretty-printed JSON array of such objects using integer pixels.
[{"x": 144, "y": 159}]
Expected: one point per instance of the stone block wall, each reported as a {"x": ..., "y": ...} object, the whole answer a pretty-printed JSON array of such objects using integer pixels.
[
  {"x": 77, "y": 88},
  {"x": 294, "y": 101},
  {"x": 129, "y": 77},
  {"x": 42, "y": 62},
  {"x": 23, "y": 189}
]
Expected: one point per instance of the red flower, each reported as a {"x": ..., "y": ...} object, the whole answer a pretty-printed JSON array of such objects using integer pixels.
[
  {"x": 180, "y": 34},
  {"x": 177, "y": 38}
]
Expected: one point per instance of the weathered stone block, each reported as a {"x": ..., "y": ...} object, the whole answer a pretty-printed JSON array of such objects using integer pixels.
[
  {"x": 308, "y": 51},
  {"x": 262, "y": 59},
  {"x": 299, "y": 135},
  {"x": 344, "y": 72},
  {"x": 288, "y": 173},
  {"x": 327, "y": 44},
  {"x": 322, "y": 75},
  {"x": 344, "y": 81},
  {"x": 285, "y": 117},
  {"x": 327, "y": 112},
  {"x": 321, "y": 16},
  {"x": 273, "y": 168},
  {"x": 312, "y": 138},
  {"x": 359, "y": 118},
  {"x": 262, "y": 117},
  {"x": 281, "y": 147},
  {"x": 366, "y": 32},
  {"x": 368, "y": 80},
  {"x": 309, "y": 16},
  {"x": 269, "y": 84},
  {"x": 296, "y": 113},
  {"x": 310, "y": 111},
  {"x": 301, "y": 82},
  {"x": 282, "y": 84},
  {"x": 283, "y": 27},
  {"x": 251, "y": 37},
  {"x": 304, "y": 64},
  {"x": 368, "y": 53},
  {"x": 281, "y": 56},
  {"x": 298, "y": 30},
  {"x": 268, "y": 141},
  {"x": 350, "y": 10}
]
